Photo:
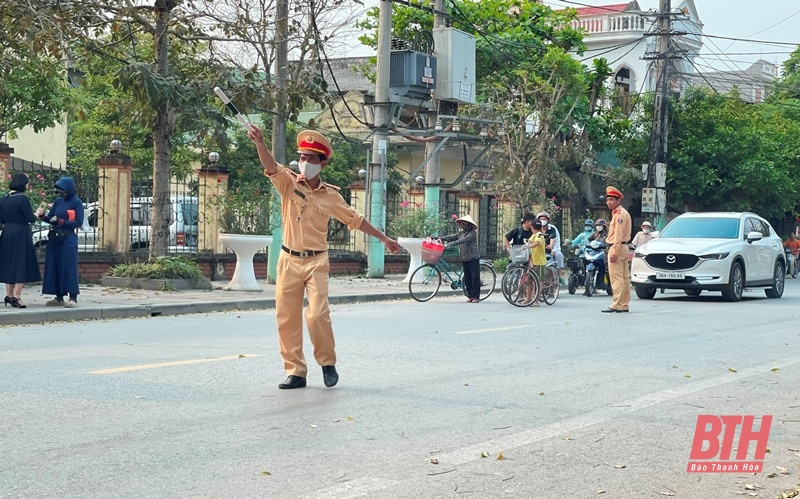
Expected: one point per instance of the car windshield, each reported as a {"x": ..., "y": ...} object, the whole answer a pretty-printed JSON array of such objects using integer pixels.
[{"x": 701, "y": 227}]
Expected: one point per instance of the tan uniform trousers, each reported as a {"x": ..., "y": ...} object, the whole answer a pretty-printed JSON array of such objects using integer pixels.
[
  {"x": 620, "y": 279},
  {"x": 296, "y": 275}
]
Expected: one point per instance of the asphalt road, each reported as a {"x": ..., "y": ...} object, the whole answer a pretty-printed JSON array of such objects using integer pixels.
[{"x": 579, "y": 403}]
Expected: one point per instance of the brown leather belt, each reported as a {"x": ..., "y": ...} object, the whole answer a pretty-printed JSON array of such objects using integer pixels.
[{"x": 302, "y": 254}]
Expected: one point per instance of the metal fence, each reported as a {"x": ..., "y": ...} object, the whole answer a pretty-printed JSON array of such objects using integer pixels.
[{"x": 183, "y": 225}]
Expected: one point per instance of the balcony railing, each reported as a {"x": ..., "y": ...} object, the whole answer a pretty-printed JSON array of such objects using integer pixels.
[{"x": 611, "y": 23}]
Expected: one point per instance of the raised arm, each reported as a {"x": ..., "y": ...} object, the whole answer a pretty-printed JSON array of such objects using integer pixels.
[{"x": 264, "y": 154}]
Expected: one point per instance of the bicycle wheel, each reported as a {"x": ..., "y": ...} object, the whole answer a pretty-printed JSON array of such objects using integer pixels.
[
  {"x": 519, "y": 286},
  {"x": 488, "y": 281},
  {"x": 552, "y": 286},
  {"x": 425, "y": 282}
]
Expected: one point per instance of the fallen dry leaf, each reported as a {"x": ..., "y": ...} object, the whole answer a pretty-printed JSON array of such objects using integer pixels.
[
  {"x": 484, "y": 454},
  {"x": 687, "y": 375},
  {"x": 775, "y": 369},
  {"x": 674, "y": 366},
  {"x": 434, "y": 460},
  {"x": 500, "y": 457},
  {"x": 313, "y": 425},
  {"x": 601, "y": 491},
  {"x": 541, "y": 393},
  {"x": 749, "y": 486},
  {"x": 667, "y": 493},
  {"x": 782, "y": 470},
  {"x": 733, "y": 370},
  {"x": 619, "y": 466},
  {"x": 566, "y": 437},
  {"x": 242, "y": 356},
  {"x": 265, "y": 473},
  {"x": 772, "y": 475}
]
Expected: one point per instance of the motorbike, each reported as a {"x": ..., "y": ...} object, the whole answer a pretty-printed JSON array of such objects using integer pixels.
[
  {"x": 577, "y": 270},
  {"x": 594, "y": 259},
  {"x": 791, "y": 263}
]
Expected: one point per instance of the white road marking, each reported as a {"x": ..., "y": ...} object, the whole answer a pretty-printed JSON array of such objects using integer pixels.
[
  {"x": 493, "y": 330},
  {"x": 115, "y": 370},
  {"x": 368, "y": 486}
]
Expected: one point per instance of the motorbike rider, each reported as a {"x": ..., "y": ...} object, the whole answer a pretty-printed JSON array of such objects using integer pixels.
[
  {"x": 553, "y": 239},
  {"x": 600, "y": 234},
  {"x": 582, "y": 239}
]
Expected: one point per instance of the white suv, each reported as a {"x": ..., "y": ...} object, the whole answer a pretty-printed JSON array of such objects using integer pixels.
[
  {"x": 182, "y": 228},
  {"x": 722, "y": 251}
]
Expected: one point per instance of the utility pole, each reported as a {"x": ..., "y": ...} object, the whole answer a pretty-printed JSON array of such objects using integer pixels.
[
  {"x": 657, "y": 161},
  {"x": 377, "y": 165},
  {"x": 433, "y": 167},
  {"x": 279, "y": 131}
]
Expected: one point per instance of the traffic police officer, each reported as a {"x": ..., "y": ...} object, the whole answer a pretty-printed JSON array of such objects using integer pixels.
[
  {"x": 307, "y": 204},
  {"x": 619, "y": 233}
]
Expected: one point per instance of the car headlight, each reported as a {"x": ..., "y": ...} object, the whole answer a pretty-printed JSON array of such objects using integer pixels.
[
  {"x": 715, "y": 256},
  {"x": 637, "y": 254}
]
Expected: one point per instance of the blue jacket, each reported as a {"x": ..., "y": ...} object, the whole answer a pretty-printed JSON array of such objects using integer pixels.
[{"x": 61, "y": 259}]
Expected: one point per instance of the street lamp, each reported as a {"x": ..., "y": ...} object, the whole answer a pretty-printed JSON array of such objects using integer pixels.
[
  {"x": 116, "y": 146},
  {"x": 213, "y": 157}
]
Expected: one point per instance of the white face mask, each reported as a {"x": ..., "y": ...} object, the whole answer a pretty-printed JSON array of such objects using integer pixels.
[
  {"x": 599, "y": 228},
  {"x": 646, "y": 231},
  {"x": 309, "y": 170},
  {"x": 544, "y": 222}
]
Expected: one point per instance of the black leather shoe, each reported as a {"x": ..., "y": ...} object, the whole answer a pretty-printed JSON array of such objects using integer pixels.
[
  {"x": 612, "y": 311},
  {"x": 330, "y": 376},
  {"x": 293, "y": 382}
]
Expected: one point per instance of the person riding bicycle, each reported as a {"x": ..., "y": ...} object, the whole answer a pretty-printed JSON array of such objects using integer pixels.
[
  {"x": 467, "y": 239},
  {"x": 519, "y": 235},
  {"x": 600, "y": 234},
  {"x": 537, "y": 244},
  {"x": 582, "y": 239}
]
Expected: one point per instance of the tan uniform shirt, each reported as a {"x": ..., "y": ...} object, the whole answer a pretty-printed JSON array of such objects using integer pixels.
[
  {"x": 306, "y": 211},
  {"x": 619, "y": 230}
]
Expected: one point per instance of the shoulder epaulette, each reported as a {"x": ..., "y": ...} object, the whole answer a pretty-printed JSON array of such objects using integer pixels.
[{"x": 334, "y": 187}]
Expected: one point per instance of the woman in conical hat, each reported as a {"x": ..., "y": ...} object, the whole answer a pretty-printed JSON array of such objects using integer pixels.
[{"x": 467, "y": 241}]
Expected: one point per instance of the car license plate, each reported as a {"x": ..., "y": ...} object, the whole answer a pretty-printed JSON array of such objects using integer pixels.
[{"x": 670, "y": 275}]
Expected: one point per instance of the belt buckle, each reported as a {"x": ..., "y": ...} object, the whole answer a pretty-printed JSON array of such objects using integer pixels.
[{"x": 303, "y": 254}]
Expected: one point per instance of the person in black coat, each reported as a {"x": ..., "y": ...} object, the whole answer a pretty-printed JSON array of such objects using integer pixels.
[
  {"x": 61, "y": 258},
  {"x": 19, "y": 263}
]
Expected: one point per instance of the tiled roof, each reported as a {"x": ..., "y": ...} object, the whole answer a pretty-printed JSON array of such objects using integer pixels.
[{"x": 600, "y": 10}]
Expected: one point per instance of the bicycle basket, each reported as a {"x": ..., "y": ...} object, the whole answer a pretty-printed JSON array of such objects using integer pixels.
[
  {"x": 431, "y": 255},
  {"x": 519, "y": 253}
]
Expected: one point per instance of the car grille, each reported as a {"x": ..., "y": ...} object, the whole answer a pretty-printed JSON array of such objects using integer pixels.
[{"x": 665, "y": 261}]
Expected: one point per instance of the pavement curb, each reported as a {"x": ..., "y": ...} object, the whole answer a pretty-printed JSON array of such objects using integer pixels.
[{"x": 166, "y": 309}]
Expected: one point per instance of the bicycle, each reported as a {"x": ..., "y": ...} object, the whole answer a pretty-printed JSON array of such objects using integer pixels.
[
  {"x": 521, "y": 285},
  {"x": 427, "y": 279}
]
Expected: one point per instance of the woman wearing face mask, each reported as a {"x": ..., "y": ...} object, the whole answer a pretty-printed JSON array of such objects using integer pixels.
[
  {"x": 642, "y": 237},
  {"x": 467, "y": 241},
  {"x": 61, "y": 258},
  {"x": 583, "y": 238}
]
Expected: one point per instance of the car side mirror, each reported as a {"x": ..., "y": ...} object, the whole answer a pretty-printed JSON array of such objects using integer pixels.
[{"x": 754, "y": 236}]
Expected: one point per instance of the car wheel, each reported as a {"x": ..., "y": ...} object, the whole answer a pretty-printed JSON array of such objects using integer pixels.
[
  {"x": 778, "y": 281},
  {"x": 645, "y": 292},
  {"x": 693, "y": 292},
  {"x": 572, "y": 285},
  {"x": 735, "y": 284}
]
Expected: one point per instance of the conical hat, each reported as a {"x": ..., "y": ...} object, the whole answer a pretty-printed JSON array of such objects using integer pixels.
[{"x": 468, "y": 219}]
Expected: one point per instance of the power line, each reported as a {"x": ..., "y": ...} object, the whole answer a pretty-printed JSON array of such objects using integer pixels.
[{"x": 766, "y": 42}]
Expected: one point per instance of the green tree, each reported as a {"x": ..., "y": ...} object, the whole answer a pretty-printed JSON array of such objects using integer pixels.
[
  {"x": 726, "y": 154},
  {"x": 547, "y": 102}
]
